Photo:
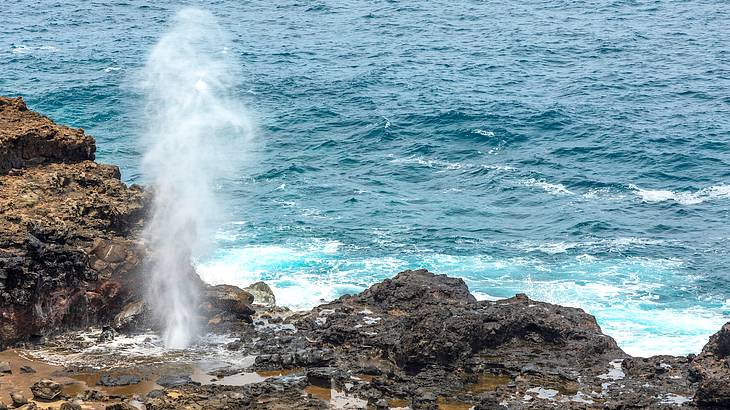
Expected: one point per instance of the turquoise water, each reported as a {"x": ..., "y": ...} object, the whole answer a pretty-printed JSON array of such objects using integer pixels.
[{"x": 575, "y": 151}]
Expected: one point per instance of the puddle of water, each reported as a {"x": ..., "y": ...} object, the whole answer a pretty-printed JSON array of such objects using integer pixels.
[
  {"x": 337, "y": 399},
  {"x": 445, "y": 403},
  {"x": 90, "y": 381},
  {"x": 488, "y": 382},
  {"x": 18, "y": 382},
  {"x": 399, "y": 404},
  {"x": 321, "y": 393},
  {"x": 239, "y": 379}
]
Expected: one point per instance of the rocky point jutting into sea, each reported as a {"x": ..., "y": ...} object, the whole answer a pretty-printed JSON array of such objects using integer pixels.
[{"x": 77, "y": 333}]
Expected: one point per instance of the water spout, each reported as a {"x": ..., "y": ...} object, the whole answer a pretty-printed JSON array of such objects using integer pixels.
[{"x": 194, "y": 134}]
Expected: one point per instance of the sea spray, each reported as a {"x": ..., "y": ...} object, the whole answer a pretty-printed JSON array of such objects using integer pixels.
[{"x": 195, "y": 133}]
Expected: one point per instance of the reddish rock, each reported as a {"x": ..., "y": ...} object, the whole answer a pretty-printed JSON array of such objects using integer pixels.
[
  {"x": 69, "y": 257},
  {"x": 28, "y": 139}
]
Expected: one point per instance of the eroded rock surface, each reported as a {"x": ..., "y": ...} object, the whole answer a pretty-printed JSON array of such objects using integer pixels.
[
  {"x": 28, "y": 139},
  {"x": 711, "y": 369},
  {"x": 68, "y": 257},
  {"x": 422, "y": 341}
]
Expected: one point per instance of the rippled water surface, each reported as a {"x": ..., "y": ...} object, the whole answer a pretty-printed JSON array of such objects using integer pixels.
[{"x": 577, "y": 151}]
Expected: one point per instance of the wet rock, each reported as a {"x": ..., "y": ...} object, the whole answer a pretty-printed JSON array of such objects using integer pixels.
[
  {"x": 95, "y": 395},
  {"x": 5, "y": 368},
  {"x": 711, "y": 369},
  {"x": 118, "y": 380},
  {"x": 71, "y": 405},
  {"x": 47, "y": 390},
  {"x": 107, "y": 334},
  {"x": 155, "y": 394},
  {"x": 230, "y": 298},
  {"x": 18, "y": 399},
  {"x": 322, "y": 376},
  {"x": 175, "y": 380},
  {"x": 27, "y": 369},
  {"x": 127, "y": 405},
  {"x": 262, "y": 294},
  {"x": 134, "y": 316}
]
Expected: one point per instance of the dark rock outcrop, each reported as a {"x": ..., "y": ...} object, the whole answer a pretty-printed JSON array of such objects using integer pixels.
[
  {"x": 423, "y": 341},
  {"x": 711, "y": 369},
  {"x": 68, "y": 257}
]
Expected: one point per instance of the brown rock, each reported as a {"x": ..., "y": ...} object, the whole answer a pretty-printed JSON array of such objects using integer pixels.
[
  {"x": 71, "y": 405},
  {"x": 46, "y": 390},
  {"x": 69, "y": 255},
  {"x": 711, "y": 369},
  {"x": 230, "y": 299},
  {"x": 18, "y": 399},
  {"x": 28, "y": 139},
  {"x": 133, "y": 316}
]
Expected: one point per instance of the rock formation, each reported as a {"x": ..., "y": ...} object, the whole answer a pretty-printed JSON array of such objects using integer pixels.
[
  {"x": 66, "y": 228},
  {"x": 422, "y": 341}
]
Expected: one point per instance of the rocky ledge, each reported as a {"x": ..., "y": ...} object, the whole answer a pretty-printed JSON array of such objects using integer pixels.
[
  {"x": 66, "y": 228},
  {"x": 423, "y": 341},
  {"x": 70, "y": 253}
]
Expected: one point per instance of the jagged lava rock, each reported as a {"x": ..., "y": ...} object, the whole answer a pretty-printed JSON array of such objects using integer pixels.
[
  {"x": 262, "y": 294},
  {"x": 711, "y": 369},
  {"x": 46, "y": 390},
  {"x": 28, "y": 138},
  {"x": 68, "y": 253}
]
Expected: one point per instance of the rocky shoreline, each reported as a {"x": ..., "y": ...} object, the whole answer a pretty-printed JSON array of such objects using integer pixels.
[{"x": 70, "y": 260}]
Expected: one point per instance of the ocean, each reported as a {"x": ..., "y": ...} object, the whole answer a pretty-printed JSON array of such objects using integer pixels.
[{"x": 576, "y": 151}]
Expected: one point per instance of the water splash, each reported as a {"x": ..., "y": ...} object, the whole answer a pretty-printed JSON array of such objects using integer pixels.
[{"x": 195, "y": 136}]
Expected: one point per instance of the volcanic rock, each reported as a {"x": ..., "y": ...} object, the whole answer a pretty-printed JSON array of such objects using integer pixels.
[
  {"x": 29, "y": 139},
  {"x": 711, "y": 369},
  {"x": 262, "y": 294},
  {"x": 18, "y": 399},
  {"x": 71, "y": 405},
  {"x": 175, "y": 380},
  {"x": 69, "y": 257},
  {"x": 118, "y": 380},
  {"x": 225, "y": 305},
  {"x": 46, "y": 390}
]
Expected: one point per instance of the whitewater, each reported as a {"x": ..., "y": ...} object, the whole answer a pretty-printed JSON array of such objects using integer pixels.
[{"x": 576, "y": 152}]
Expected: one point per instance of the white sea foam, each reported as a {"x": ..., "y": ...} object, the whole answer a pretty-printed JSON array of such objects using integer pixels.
[
  {"x": 676, "y": 399},
  {"x": 23, "y": 49},
  {"x": 446, "y": 165},
  {"x": 714, "y": 192},
  {"x": 483, "y": 132},
  {"x": 554, "y": 189}
]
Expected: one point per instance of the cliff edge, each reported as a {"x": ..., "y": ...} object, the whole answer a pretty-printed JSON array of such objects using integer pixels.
[{"x": 66, "y": 228}]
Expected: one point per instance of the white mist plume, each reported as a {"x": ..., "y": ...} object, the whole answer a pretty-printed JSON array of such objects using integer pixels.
[{"x": 194, "y": 131}]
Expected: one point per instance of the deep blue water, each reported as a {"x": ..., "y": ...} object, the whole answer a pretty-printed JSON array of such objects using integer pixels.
[{"x": 578, "y": 151}]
